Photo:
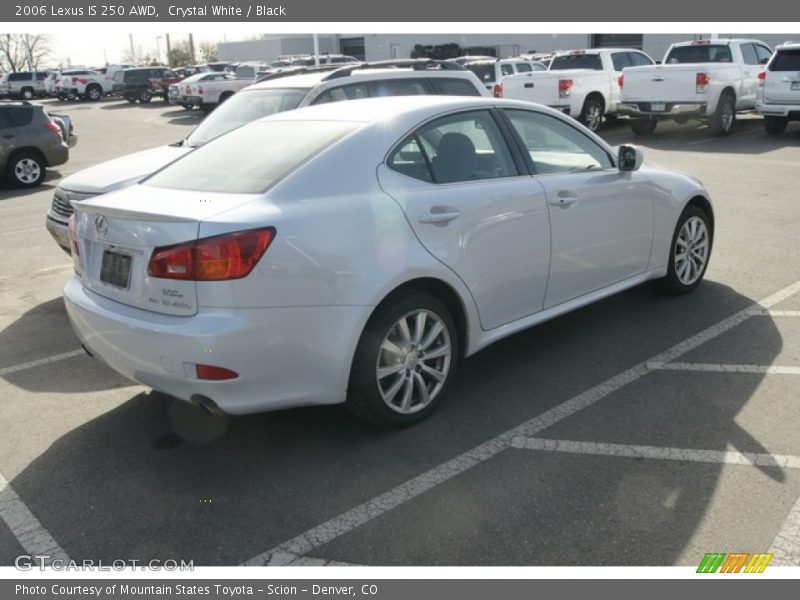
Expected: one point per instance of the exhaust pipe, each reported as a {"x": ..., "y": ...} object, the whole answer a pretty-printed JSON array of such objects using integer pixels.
[{"x": 207, "y": 405}]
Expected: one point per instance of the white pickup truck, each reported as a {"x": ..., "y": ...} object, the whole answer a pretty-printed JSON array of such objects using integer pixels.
[
  {"x": 580, "y": 83},
  {"x": 710, "y": 80},
  {"x": 210, "y": 89}
]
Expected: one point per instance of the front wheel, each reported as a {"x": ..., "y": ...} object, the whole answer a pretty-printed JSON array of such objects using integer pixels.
[
  {"x": 643, "y": 126},
  {"x": 689, "y": 252},
  {"x": 404, "y": 362},
  {"x": 775, "y": 125},
  {"x": 94, "y": 93}
]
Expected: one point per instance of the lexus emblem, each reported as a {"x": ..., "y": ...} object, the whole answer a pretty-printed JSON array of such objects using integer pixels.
[{"x": 101, "y": 225}]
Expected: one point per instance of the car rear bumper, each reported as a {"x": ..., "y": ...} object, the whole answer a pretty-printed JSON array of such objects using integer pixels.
[
  {"x": 284, "y": 357},
  {"x": 57, "y": 154},
  {"x": 564, "y": 108},
  {"x": 644, "y": 110},
  {"x": 787, "y": 111}
]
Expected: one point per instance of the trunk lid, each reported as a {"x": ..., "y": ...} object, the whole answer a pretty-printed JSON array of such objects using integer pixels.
[
  {"x": 117, "y": 233},
  {"x": 540, "y": 87},
  {"x": 782, "y": 81}
]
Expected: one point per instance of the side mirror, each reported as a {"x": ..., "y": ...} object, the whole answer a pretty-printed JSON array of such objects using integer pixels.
[{"x": 629, "y": 158}]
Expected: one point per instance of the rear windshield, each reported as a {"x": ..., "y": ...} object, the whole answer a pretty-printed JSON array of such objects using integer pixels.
[
  {"x": 786, "y": 60},
  {"x": 242, "y": 108},
  {"x": 577, "y": 61},
  {"x": 251, "y": 159},
  {"x": 484, "y": 72},
  {"x": 700, "y": 54}
]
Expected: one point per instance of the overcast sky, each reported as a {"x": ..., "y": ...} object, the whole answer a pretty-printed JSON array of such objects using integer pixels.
[{"x": 98, "y": 46}]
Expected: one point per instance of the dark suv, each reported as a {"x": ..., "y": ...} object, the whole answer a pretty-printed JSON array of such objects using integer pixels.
[
  {"x": 142, "y": 83},
  {"x": 30, "y": 141}
]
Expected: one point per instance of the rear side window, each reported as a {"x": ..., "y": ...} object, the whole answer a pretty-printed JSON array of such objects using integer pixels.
[
  {"x": 639, "y": 60},
  {"x": 577, "y": 61},
  {"x": 15, "y": 116},
  {"x": 398, "y": 87},
  {"x": 620, "y": 60},
  {"x": 523, "y": 67},
  {"x": 21, "y": 76},
  {"x": 453, "y": 87},
  {"x": 251, "y": 159},
  {"x": 506, "y": 69},
  {"x": 703, "y": 53},
  {"x": 353, "y": 91},
  {"x": 763, "y": 53},
  {"x": 786, "y": 60},
  {"x": 41, "y": 76},
  {"x": 749, "y": 54},
  {"x": 245, "y": 72},
  {"x": 119, "y": 76},
  {"x": 484, "y": 72},
  {"x": 410, "y": 160}
]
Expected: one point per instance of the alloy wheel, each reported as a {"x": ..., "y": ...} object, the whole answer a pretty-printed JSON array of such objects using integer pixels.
[
  {"x": 27, "y": 171},
  {"x": 691, "y": 251}
]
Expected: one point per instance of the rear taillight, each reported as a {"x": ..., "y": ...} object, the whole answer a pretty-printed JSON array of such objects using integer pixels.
[
  {"x": 73, "y": 238},
  {"x": 762, "y": 77},
  {"x": 564, "y": 87},
  {"x": 621, "y": 81},
  {"x": 214, "y": 373},
  {"x": 701, "y": 81},
  {"x": 498, "y": 90},
  {"x": 53, "y": 127},
  {"x": 229, "y": 256},
  {"x": 200, "y": 90}
]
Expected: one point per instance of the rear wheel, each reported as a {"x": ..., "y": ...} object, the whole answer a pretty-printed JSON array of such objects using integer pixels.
[
  {"x": 775, "y": 125},
  {"x": 225, "y": 96},
  {"x": 404, "y": 362},
  {"x": 643, "y": 126},
  {"x": 145, "y": 96},
  {"x": 207, "y": 108},
  {"x": 689, "y": 252},
  {"x": 725, "y": 116},
  {"x": 26, "y": 169},
  {"x": 27, "y": 93},
  {"x": 94, "y": 92},
  {"x": 591, "y": 114}
]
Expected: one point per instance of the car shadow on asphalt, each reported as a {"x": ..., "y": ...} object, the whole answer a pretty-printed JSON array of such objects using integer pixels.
[
  {"x": 157, "y": 478},
  {"x": 748, "y": 137},
  {"x": 9, "y": 191},
  {"x": 154, "y": 104}
]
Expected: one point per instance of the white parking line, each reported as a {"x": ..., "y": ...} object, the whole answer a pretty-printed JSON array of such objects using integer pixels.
[
  {"x": 724, "y": 368},
  {"x": 760, "y": 312},
  {"x": 786, "y": 545},
  {"x": 371, "y": 509},
  {"x": 56, "y": 268},
  {"x": 781, "y": 461},
  {"x": 30, "y": 533},
  {"x": 40, "y": 362}
]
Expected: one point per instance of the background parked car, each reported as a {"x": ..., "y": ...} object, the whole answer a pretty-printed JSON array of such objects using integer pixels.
[
  {"x": 30, "y": 142},
  {"x": 143, "y": 83},
  {"x": 86, "y": 84},
  {"x": 281, "y": 91},
  {"x": 23, "y": 84},
  {"x": 778, "y": 97},
  {"x": 492, "y": 72}
]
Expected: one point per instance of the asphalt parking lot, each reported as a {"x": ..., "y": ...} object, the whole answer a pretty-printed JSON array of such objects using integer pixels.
[{"x": 642, "y": 430}]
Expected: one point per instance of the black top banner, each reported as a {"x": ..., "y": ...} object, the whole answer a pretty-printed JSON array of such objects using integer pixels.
[{"x": 270, "y": 11}]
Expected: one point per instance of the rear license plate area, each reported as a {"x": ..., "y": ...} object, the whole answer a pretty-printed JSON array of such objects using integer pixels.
[
  {"x": 658, "y": 107},
  {"x": 115, "y": 269}
]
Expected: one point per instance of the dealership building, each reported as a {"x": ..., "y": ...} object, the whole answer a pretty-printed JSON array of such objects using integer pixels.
[{"x": 381, "y": 46}]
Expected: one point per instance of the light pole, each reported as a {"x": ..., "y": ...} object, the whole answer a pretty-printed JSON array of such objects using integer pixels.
[{"x": 158, "y": 47}]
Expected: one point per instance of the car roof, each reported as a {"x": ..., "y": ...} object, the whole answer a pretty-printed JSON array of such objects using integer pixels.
[
  {"x": 717, "y": 41},
  {"x": 310, "y": 80},
  {"x": 787, "y": 46}
]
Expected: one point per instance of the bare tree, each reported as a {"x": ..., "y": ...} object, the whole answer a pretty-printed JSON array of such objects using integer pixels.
[
  {"x": 20, "y": 50},
  {"x": 208, "y": 51},
  {"x": 180, "y": 54}
]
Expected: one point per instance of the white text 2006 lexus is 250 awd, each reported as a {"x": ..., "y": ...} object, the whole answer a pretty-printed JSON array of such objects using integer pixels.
[{"x": 354, "y": 252}]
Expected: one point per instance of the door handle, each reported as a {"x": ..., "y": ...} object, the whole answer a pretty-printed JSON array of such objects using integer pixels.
[
  {"x": 564, "y": 199},
  {"x": 528, "y": 85},
  {"x": 8, "y": 137},
  {"x": 439, "y": 217}
]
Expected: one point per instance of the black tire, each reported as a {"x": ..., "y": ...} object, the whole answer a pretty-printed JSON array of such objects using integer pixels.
[
  {"x": 27, "y": 93},
  {"x": 61, "y": 96},
  {"x": 775, "y": 125},
  {"x": 364, "y": 399},
  {"x": 225, "y": 96},
  {"x": 26, "y": 169},
  {"x": 591, "y": 115},
  {"x": 145, "y": 96},
  {"x": 672, "y": 283},
  {"x": 130, "y": 99},
  {"x": 207, "y": 108},
  {"x": 724, "y": 117},
  {"x": 643, "y": 126},
  {"x": 93, "y": 92}
]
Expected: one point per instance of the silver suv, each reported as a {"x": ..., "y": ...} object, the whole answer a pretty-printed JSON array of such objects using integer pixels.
[
  {"x": 23, "y": 84},
  {"x": 274, "y": 93}
]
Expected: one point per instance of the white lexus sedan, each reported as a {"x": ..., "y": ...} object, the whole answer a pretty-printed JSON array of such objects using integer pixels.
[{"x": 354, "y": 252}]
